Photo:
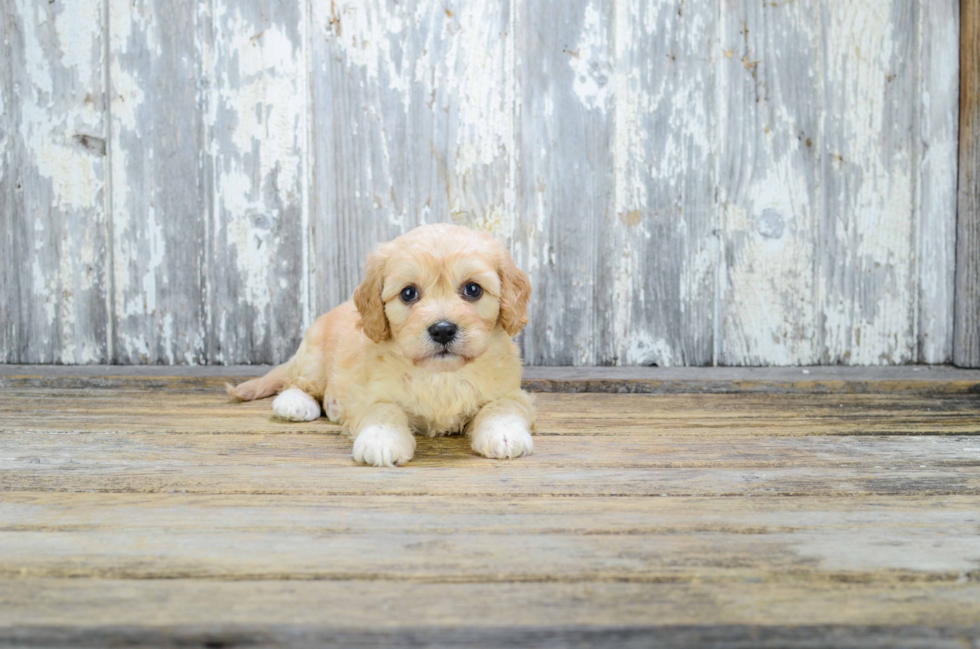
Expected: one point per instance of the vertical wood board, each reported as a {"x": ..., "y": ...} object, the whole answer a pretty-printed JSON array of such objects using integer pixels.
[
  {"x": 566, "y": 188},
  {"x": 935, "y": 159},
  {"x": 657, "y": 247},
  {"x": 967, "y": 303},
  {"x": 867, "y": 290},
  {"x": 258, "y": 295},
  {"x": 414, "y": 124},
  {"x": 55, "y": 174},
  {"x": 770, "y": 182},
  {"x": 159, "y": 189}
]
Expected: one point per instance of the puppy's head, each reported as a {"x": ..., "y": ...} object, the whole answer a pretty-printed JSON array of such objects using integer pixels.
[{"x": 438, "y": 292}]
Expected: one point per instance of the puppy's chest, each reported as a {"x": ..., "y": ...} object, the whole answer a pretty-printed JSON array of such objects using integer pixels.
[{"x": 441, "y": 404}]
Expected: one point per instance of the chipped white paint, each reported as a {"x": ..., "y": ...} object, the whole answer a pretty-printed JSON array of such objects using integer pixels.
[
  {"x": 769, "y": 187},
  {"x": 54, "y": 183},
  {"x": 866, "y": 293},
  {"x": 936, "y": 172},
  {"x": 157, "y": 201},
  {"x": 686, "y": 181},
  {"x": 260, "y": 157},
  {"x": 415, "y": 124},
  {"x": 590, "y": 61}
]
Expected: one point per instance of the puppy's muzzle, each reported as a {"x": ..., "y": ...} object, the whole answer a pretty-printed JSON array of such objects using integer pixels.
[{"x": 443, "y": 332}]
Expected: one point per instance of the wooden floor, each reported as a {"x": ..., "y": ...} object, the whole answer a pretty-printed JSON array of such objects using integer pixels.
[{"x": 151, "y": 510}]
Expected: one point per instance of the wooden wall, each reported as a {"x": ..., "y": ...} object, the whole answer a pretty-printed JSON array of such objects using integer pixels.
[
  {"x": 966, "y": 344},
  {"x": 688, "y": 182}
]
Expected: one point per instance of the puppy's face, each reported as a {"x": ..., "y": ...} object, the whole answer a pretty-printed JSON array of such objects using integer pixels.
[{"x": 439, "y": 292}]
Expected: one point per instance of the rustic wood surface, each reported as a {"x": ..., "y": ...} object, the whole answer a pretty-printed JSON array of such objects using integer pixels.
[
  {"x": 917, "y": 380},
  {"x": 688, "y": 182},
  {"x": 153, "y": 509},
  {"x": 967, "y": 341}
]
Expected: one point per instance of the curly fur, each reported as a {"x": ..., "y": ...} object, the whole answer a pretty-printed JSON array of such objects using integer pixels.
[{"x": 371, "y": 363}]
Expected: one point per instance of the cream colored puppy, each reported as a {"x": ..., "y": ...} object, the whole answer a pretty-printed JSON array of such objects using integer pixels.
[{"x": 424, "y": 346}]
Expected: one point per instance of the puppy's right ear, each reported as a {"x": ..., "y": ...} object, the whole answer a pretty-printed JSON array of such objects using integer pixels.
[{"x": 367, "y": 299}]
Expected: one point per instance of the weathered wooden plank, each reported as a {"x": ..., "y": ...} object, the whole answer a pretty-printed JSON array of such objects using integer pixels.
[
  {"x": 966, "y": 352},
  {"x": 769, "y": 182},
  {"x": 33, "y": 408},
  {"x": 566, "y": 187},
  {"x": 38, "y": 512},
  {"x": 935, "y": 157},
  {"x": 160, "y": 184},
  {"x": 641, "y": 465},
  {"x": 916, "y": 380},
  {"x": 87, "y": 407},
  {"x": 414, "y": 124},
  {"x": 501, "y": 636},
  {"x": 273, "y": 527},
  {"x": 592, "y": 448},
  {"x": 55, "y": 182},
  {"x": 9, "y": 285},
  {"x": 258, "y": 280},
  {"x": 447, "y": 539},
  {"x": 656, "y": 247},
  {"x": 196, "y": 607},
  {"x": 867, "y": 228}
]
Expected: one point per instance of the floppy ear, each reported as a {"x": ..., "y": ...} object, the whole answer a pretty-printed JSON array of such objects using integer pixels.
[
  {"x": 367, "y": 299},
  {"x": 515, "y": 291}
]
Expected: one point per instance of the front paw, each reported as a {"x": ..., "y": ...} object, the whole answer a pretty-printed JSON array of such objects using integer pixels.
[
  {"x": 504, "y": 437},
  {"x": 382, "y": 445},
  {"x": 295, "y": 405}
]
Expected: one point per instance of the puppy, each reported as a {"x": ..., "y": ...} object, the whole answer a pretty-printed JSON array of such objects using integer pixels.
[{"x": 424, "y": 346}]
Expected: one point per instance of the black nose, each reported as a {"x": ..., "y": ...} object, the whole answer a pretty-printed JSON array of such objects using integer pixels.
[{"x": 442, "y": 332}]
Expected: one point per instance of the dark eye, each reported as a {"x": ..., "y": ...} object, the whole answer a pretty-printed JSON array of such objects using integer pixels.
[
  {"x": 409, "y": 294},
  {"x": 472, "y": 291}
]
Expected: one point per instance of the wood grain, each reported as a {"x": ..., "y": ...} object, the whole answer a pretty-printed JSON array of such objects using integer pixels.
[
  {"x": 657, "y": 247},
  {"x": 9, "y": 288},
  {"x": 154, "y": 510},
  {"x": 258, "y": 282},
  {"x": 866, "y": 229},
  {"x": 436, "y": 539},
  {"x": 168, "y": 609},
  {"x": 566, "y": 184},
  {"x": 770, "y": 182},
  {"x": 185, "y": 406},
  {"x": 55, "y": 216},
  {"x": 688, "y": 183},
  {"x": 887, "y": 380},
  {"x": 588, "y": 444},
  {"x": 160, "y": 189},
  {"x": 966, "y": 351},
  {"x": 935, "y": 146},
  {"x": 414, "y": 124}
]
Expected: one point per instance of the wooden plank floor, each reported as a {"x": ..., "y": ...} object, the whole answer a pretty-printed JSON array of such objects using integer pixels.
[{"x": 146, "y": 508}]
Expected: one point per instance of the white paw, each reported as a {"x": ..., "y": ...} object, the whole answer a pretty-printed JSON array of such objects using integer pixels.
[
  {"x": 295, "y": 405},
  {"x": 504, "y": 437},
  {"x": 382, "y": 445}
]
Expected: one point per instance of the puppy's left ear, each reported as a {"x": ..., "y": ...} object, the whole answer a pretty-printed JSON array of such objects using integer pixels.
[
  {"x": 515, "y": 291},
  {"x": 367, "y": 299}
]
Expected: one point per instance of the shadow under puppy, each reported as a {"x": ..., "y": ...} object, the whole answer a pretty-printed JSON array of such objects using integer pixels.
[{"x": 424, "y": 346}]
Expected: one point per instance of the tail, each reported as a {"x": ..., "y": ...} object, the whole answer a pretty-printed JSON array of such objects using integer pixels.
[{"x": 260, "y": 388}]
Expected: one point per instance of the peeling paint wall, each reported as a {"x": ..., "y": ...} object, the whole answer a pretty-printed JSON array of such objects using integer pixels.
[{"x": 688, "y": 182}]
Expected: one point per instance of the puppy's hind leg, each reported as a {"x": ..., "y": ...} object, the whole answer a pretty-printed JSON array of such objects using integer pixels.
[
  {"x": 262, "y": 387},
  {"x": 295, "y": 405}
]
